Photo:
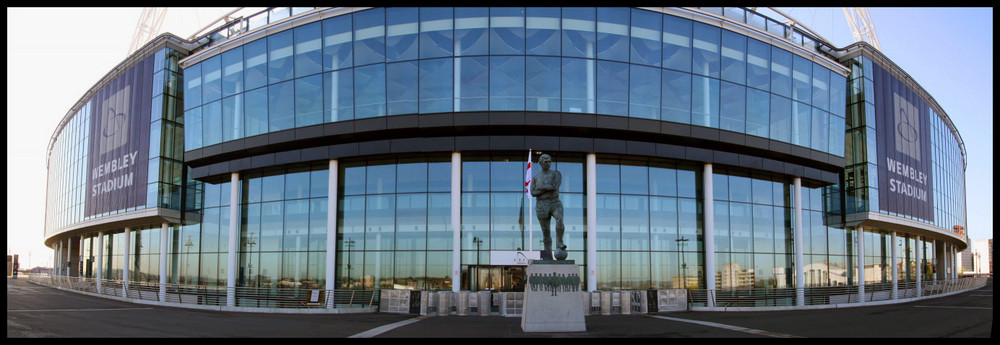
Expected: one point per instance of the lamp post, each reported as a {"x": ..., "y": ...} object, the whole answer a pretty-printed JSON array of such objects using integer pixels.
[
  {"x": 348, "y": 244},
  {"x": 680, "y": 244},
  {"x": 478, "y": 242}
]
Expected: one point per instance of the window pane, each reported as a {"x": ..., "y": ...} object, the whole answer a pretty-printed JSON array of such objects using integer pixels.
[
  {"x": 801, "y": 79},
  {"x": 471, "y": 26},
  {"x": 309, "y": 100},
  {"x": 758, "y": 62},
  {"x": 401, "y": 34},
  {"x": 732, "y": 110},
  {"x": 579, "y": 86},
  {"x": 781, "y": 72},
  {"x": 704, "y": 101},
  {"x": 211, "y": 79},
  {"x": 758, "y": 112},
  {"x": 436, "y": 85},
  {"x": 255, "y": 114},
  {"x": 338, "y": 95},
  {"x": 507, "y": 83},
  {"x": 232, "y": 117},
  {"x": 401, "y": 87},
  {"x": 369, "y": 100},
  {"x": 542, "y": 75},
  {"x": 369, "y": 36},
  {"x": 542, "y": 31},
  {"x": 676, "y": 43},
  {"x": 612, "y": 88},
  {"x": 781, "y": 115},
  {"x": 472, "y": 89},
  {"x": 578, "y": 31},
  {"x": 644, "y": 92},
  {"x": 212, "y": 123},
  {"x": 255, "y": 64},
  {"x": 232, "y": 71},
  {"x": 705, "y": 56},
  {"x": 506, "y": 30},
  {"x": 734, "y": 65},
  {"x": 337, "y": 43},
  {"x": 612, "y": 34},
  {"x": 281, "y": 106},
  {"x": 280, "y": 63},
  {"x": 801, "y": 124},
  {"x": 676, "y": 97},
  {"x": 646, "y": 37},
  {"x": 308, "y": 49}
]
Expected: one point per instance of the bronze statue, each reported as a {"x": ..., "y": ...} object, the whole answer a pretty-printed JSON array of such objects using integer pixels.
[{"x": 545, "y": 189}]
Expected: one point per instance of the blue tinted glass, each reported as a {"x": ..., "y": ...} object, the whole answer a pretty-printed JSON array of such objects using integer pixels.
[
  {"x": 232, "y": 117},
  {"x": 609, "y": 181},
  {"x": 319, "y": 183},
  {"x": 255, "y": 112},
  {"x": 837, "y": 125},
  {"x": 676, "y": 97},
  {"x": 475, "y": 176},
  {"x": 820, "y": 128},
  {"x": 308, "y": 49},
  {"x": 212, "y": 123},
  {"x": 211, "y": 79},
  {"x": 337, "y": 43},
  {"x": 472, "y": 91},
  {"x": 579, "y": 31},
  {"x": 781, "y": 72},
  {"x": 309, "y": 100},
  {"x": 353, "y": 180},
  {"x": 612, "y": 88},
  {"x": 635, "y": 223},
  {"x": 542, "y": 75},
  {"x": 369, "y": 95},
  {"x": 634, "y": 179},
  {"x": 232, "y": 71},
  {"x": 507, "y": 83},
  {"x": 401, "y": 31},
  {"x": 280, "y": 62},
  {"x": 687, "y": 185},
  {"x": 820, "y": 87},
  {"x": 471, "y": 31},
  {"x": 613, "y": 34},
  {"x": 646, "y": 34},
  {"x": 542, "y": 31},
  {"x": 758, "y": 64},
  {"x": 369, "y": 36},
  {"x": 192, "y": 86},
  {"x": 439, "y": 177},
  {"x": 801, "y": 124},
  {"x": 758, "y": 112},
  {"x": 411, "y": 177},
  {"x": 192, "y": 126},
  {"x": 579, "y": 87},
  {"x": 401, "y": 87},
  {"x": 838, "y": 89},
  {"x": 338, "y": 95},
  {"x": 676, "y": 43},
  {"x": 255, "y": 64},
  {"x": 436, "y": 85},
  {"x": 732, "y": 109},
  {"x": 705, "y": 58},
  {"x": 381, "y": 179},
  {"x": 272, "y": 187},
  {"x": 734, "y": 66},
  {"x": 662, "y": 181},
  {"x": 506, "y": 30},
  {"x": 801, "y": 79},
  {"x": 739, "y": 188},
  {"x": 436, "y": 32},
  {"x": 781, "y": 119},
  {"x": 506, "y": 175},
  {"x": 644, "y": 92},
  {"x": 280, "y": 106},
  {"x": 704, "y": 101},
  {"x": 761, "y": 191},
  {"x": 297, "y": 185}
]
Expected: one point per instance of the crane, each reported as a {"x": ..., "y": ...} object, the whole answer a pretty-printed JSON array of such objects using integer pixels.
[
  {"x": 148, "y": 27},
  {"x": 861, "y": 25}
]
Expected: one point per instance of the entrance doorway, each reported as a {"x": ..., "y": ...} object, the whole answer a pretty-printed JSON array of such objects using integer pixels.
[{"x": 497, "y": 278}]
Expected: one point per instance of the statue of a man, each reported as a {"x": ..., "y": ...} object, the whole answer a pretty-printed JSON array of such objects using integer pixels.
[{"x": 545, "y": 189}]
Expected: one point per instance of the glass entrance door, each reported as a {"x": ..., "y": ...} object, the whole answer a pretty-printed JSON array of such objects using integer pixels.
[{"x": 497, "y": 278}]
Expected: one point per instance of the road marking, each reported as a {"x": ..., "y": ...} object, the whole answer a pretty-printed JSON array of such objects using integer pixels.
[
  {"x": 936, "y": 306},
  {"x": 50, "y": 310},
  {"x": 382, "y": 329},
  {"x": 729, "y": 327}
]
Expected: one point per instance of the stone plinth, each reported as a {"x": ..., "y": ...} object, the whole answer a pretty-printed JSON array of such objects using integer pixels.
[{"x": 552, "y": 297}]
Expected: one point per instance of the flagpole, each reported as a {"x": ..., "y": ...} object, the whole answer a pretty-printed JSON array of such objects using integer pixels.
[{"x": 531, "y": 219}]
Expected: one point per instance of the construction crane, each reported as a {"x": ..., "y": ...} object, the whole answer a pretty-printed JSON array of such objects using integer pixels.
[
  {"x": 148, "y": 27},
  {"x": 861, "y": 25}
]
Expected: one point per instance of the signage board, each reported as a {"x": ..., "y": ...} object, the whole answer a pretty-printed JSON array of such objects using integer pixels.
[{"x": 513, "y": 258}]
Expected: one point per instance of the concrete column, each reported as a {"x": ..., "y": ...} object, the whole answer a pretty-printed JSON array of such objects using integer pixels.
[
  {"x": 99, "y": 277},
  {"x": 895, "y": 270},
  {"x": 861, "y": 264},
  {"x": 57, "y": 264},
  {"x": 919, "y": 253},
  {"x": 163, "y": 261},
  {"x": 126, "y": 256},
  {"x": 709, "y": 207},
  {"x": 591, "y": 172},
  {"x": 456, "y": 221},
  {"x": 331, "y": 231},
  {"x": 800, "y": 277},
  {"x": 234, "y": 238}
]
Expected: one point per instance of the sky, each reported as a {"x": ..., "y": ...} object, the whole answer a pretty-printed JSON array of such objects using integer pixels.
[{"x": 54, "y": 55}]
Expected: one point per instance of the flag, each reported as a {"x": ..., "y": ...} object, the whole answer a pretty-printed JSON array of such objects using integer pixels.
[{"x": 527, "y": 177}]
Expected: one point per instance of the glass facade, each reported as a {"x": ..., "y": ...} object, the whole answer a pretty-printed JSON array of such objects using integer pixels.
[
  {"x": 610, "y": 61},
  {"x": 393, "y": 222}
]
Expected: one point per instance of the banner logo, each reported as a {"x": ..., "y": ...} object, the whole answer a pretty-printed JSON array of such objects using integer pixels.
[{"x": 907, "y": 128}]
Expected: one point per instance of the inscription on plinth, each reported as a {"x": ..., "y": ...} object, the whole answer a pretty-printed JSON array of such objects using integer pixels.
[{"x": 552, "y": 297}]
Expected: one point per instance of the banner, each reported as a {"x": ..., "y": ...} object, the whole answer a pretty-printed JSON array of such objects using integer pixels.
[
  {"x": 902, "y": 121},
  {"x": 118, "y": 152}
]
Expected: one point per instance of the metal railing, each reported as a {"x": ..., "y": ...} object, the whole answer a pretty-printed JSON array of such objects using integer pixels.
[
  {"x": 830, "y": 295},
  {"x": 246, "y": 297}
]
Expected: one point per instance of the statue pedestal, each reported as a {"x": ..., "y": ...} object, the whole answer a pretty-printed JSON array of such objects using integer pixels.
[{"x": 552, "y": 297}]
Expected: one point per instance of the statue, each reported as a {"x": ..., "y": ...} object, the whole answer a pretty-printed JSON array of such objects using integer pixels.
[{"x": 545, "y": 189}]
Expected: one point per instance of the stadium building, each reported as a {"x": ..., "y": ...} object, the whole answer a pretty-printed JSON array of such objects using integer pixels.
[{"x": 706, "y": 149}]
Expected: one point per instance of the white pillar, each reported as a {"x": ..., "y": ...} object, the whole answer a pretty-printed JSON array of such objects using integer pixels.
[
  {"x": 895, "y": 270},
  {"x": 331, "y": 232},
  {"x": 163, "y": 261},
  {"x": 234, "y": 238},
  {"x": 126, "y": 253},
  {"x": 861, "y": 264},
  {"x": 919, "y": 252},
  {"x": 800, "y": 277},
  {"x": 709, "y": 207},
  {"x": 591, "y": 171},
  {"x": 57, "y": 265},
  {"x": 100, "y": 262},
  {"x": 456, "y": 218}
]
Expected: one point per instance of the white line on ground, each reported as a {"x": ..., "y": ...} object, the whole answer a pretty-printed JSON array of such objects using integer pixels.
[
  {"x": 938, "y": 306},
  {"x": 729, "y": 327},
  {"x": 51, "y": 310},
  {"x": 382, "y": 329}
]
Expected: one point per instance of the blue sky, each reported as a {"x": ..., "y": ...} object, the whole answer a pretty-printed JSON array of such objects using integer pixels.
[{"x": 55, "y": 55}]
